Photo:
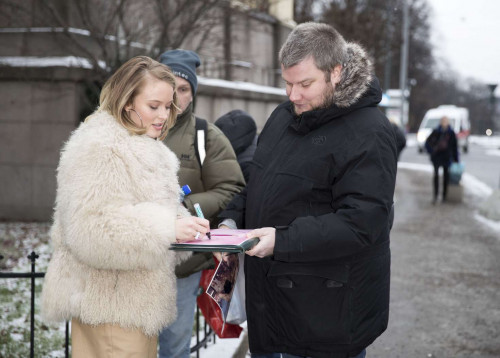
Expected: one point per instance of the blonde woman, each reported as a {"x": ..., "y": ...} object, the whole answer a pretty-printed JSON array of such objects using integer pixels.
[{"x": 117, "y": 211}]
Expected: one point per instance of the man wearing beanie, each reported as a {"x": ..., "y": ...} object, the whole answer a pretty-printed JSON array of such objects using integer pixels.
[{"x": 213, "y": 180}]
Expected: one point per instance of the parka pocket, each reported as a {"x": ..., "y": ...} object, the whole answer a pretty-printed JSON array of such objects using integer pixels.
[{"x": 312, "y": 302}]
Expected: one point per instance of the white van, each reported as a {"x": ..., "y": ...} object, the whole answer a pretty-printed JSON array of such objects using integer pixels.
[{"x": 459, "y": 121}]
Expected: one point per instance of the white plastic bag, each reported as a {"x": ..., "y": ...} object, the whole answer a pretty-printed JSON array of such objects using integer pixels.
[{"x": 237, "y": 313}]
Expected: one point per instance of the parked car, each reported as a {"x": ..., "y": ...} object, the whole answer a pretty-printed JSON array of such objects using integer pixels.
[{"x": 459, "y": 121}]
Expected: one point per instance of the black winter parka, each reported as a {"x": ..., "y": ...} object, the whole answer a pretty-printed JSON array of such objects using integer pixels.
[{"x": 325, "y": 180}]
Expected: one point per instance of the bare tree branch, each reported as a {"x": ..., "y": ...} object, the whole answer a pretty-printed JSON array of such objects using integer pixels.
[{"x": 74, "y": 41}]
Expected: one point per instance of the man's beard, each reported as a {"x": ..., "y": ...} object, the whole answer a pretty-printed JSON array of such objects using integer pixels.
[
  {"x": 328, "y": 97},
  {"x": 327, "y": 101}
]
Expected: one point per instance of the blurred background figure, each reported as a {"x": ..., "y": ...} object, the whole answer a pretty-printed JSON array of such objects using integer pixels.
[
  {"x": 442, "y": 147},
  {"x": 241, "y": 130}
]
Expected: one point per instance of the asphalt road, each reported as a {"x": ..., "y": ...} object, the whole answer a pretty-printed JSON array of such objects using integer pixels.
[{"x": 445, "y": 285}]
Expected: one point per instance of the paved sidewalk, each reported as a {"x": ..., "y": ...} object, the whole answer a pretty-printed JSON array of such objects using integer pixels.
[{"x": 445, "y": 293}]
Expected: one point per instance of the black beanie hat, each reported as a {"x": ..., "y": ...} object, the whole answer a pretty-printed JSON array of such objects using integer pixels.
[
  {"x": 239, "y": 127},
  {"x": 183, "y": 63}
]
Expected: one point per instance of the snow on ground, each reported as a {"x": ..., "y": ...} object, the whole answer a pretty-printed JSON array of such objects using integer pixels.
[
  {"x": 493, "y": 152},
  {"x": 495, "y": 225},
  {"x": 416, "y": 166},
  {"x": 485, "y": 141},
  {"x": 475, "y": 186}
]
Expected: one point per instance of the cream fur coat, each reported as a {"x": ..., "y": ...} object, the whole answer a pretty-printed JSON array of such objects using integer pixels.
[{"x": 114, "y": 219}]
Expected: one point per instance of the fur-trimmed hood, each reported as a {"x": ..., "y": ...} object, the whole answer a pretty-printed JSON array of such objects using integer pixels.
[{"x": 356, "y": 77}]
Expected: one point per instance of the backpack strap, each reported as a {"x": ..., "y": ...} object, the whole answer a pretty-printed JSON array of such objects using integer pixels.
[{"x": 200, "y": 140}]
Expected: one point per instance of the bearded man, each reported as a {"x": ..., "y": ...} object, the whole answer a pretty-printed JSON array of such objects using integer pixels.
[{"x": 320, "y": 198}]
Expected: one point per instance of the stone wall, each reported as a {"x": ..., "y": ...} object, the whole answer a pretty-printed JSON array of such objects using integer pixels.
[
  {"x": 37, "y": 117},
  {"x": 217, "y": 97},
  {"x": 39, "y": 114}
]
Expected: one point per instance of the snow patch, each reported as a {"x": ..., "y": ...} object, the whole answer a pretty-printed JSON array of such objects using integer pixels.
[
  {"x": 475, "y": 186},
  {"x": 55, "y": 61},
  {"x": 494, "y": 225},
  {"x": 243, "y": 86}
]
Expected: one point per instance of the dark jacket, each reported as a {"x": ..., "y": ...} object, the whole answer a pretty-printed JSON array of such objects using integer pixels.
[
  {"x": 442, "y": 146},
  {"x": 400, "y": 138},
  {"x": 326, "y": 181},
  {"x": 212, "y": 186},
  {"x": 245, "y": 158},
  {"x": 241, "y": 130}
]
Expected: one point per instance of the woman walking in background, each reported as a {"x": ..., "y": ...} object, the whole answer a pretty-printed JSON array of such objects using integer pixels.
[
  {"x": 117, "y": 211},
  {"x": 442, "y": 146}
]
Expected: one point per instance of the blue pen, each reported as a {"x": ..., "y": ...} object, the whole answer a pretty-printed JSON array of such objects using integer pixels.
[{"x": 197, "y": 208}]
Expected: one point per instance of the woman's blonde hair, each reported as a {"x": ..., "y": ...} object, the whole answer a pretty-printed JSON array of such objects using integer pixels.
[{"x": 124, "y": 85}]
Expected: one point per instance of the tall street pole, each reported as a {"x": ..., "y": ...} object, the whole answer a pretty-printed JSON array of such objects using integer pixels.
[
  {"x": 492, "y": 88},
  {"x": 403, "y": 70},
  {"x": 496, "y": 125}
]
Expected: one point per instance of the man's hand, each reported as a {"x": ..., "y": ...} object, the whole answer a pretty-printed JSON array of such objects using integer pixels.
[{"x": 265, "y": 247}]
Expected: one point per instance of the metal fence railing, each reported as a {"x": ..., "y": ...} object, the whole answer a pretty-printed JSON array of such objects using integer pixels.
[{"x": 208, "y": 333}]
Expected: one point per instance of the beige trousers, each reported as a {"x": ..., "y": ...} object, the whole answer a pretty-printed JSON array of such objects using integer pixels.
[{"x": 110, "y": 341}]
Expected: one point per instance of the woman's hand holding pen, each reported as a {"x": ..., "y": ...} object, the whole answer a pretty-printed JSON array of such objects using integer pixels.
[
  {"x": 189, "y": 227},
  {"x": 265, "y": 247}
]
